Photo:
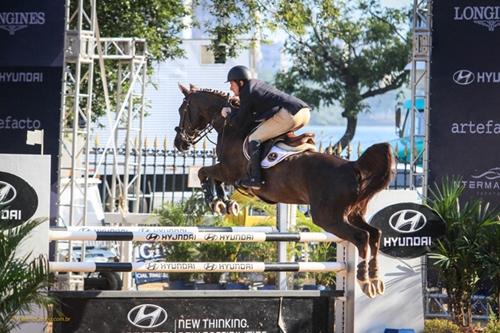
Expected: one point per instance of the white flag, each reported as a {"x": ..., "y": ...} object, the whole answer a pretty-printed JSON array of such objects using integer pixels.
[{"x": 34, "y": 137}]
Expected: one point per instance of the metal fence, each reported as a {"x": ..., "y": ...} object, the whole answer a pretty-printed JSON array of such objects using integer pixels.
[{"x": 168, "y": 175}]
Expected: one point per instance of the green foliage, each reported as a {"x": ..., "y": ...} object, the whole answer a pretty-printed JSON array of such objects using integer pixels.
[
  {"x": 462, "y": 255},
  {"x": 188, "y": 213},
  {"x": 346, "y": 54},
  {"x": 440, "y": 326},
  {"x": 22, "y": 279},
  {"x": 342, "y": 52},
  {"x": 157, "y": 21},
  {"x": 493, "y": 325},
  {"x": 193, "y": 212}
]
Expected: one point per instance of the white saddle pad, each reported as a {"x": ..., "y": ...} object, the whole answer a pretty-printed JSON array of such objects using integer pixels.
[{"x": 276, "y": 155}]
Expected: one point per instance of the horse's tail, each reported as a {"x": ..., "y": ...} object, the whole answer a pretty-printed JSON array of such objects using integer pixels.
[{"x": 376, "y": 170}]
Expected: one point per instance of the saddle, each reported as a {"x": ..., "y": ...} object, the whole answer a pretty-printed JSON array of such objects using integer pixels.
[{"x": 278, "y": 149}]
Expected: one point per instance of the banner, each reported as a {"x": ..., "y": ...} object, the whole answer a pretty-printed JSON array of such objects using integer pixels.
[
  {"x": 32, "y": 33},
  {"x": 31, "y": 63},
  {"x": 224, "y": 312},
  {"x": 464, "y": 122}
]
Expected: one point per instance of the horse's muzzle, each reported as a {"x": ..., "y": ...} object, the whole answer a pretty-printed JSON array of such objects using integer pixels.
[{"x": 180, "y": 144}]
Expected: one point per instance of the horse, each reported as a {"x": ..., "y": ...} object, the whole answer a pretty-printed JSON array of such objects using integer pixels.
[{"x": 337, "y": 190}]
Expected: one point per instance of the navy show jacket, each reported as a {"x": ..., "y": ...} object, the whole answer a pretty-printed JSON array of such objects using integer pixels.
[{"x": 263, "y": 101}]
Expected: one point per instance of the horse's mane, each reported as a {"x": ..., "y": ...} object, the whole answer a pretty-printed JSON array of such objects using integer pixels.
[
  {"x": 235, "y": 101},
  {"x": 213, "y": 92}
]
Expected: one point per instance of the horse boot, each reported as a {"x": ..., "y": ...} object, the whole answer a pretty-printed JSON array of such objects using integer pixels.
[{"x": 254, "y": 181}]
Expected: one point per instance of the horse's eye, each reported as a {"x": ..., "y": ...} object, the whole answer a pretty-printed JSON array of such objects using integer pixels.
[{"x": 177, "y": 129}]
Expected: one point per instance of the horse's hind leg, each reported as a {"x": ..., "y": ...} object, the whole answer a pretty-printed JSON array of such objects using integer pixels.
[
  {"x": 336, "y": 224},
  {"x": 375, "y": 235}
]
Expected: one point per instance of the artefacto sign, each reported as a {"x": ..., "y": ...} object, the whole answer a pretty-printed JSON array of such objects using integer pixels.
[
  {"x": 147, "y": 316},
  {"x": 408, "y": 229},
  {"x": 18, "y": 200}
]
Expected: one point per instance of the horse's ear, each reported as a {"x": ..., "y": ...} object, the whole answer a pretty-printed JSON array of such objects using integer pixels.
[
  {"x": 192, "y": 87},
  {"x": 183, "y": 89}
]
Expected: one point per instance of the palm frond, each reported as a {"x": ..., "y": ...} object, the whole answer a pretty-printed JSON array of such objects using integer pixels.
[{"x": 23, "y": 279}]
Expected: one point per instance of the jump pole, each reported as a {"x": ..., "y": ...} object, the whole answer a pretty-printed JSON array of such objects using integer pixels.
[
  {"x": 160, "y": 236},
  {"x": 197, "y": 267}
]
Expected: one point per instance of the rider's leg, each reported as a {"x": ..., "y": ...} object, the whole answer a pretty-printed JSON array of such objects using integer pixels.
[{"x": 282, "y": 122}]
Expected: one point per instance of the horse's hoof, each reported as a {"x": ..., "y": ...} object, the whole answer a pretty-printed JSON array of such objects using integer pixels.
[
  {"x": 368, "y": 288},
  {"x": 232, "y": 207},
  {"x": 378, "y": 286},
  {"x": 218, "y": 207}
]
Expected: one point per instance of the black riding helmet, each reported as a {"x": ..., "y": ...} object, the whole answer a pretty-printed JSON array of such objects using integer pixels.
[{"x": 239, "y": 73}]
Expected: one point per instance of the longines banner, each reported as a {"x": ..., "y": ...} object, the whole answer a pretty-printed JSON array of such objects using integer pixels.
[
  {"x": 32, "y": 44},
  {"x": 464, "y": 102},
  {"x": 32, "y": 33}
]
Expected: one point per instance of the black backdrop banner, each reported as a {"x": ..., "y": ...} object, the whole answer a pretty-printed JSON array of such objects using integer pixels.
[
  {"x": 31, "y": 62},
  {"x": 464, "y": 119},
  {"x": 32, "y": 33}
]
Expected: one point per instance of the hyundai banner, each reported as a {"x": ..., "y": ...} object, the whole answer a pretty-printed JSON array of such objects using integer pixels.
[
  {"x": 464, "y": 120},
  {"x": 31, "y": 61},
  {"x": 409, "y": 230},
  {"x": 190, "y": 312}
]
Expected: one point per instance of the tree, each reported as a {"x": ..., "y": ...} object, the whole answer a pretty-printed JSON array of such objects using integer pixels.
[
  {"x": 341, "y": 52},
  {"x": 159, "y": 22}
]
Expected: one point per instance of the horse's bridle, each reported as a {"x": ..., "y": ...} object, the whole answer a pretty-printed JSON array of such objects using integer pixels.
[{"x": 197, "y": 134}]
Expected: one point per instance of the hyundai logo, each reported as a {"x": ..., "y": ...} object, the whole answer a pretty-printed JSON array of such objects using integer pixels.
[
  {"x": 210, "y": 237},
  {"x": 210, "y": 266},
  {"x": 463, "y": 77},
  {"x": 152, "y": 237},
  {"x": 407, "y": 221},
  {"x": 7, "y": 193},
  {"x": 147, "y": 316},
  {"x": 151, "y": 266}
]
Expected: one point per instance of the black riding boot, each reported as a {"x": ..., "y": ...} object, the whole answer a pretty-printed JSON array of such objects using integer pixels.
[{"x": 254, "y": 181}]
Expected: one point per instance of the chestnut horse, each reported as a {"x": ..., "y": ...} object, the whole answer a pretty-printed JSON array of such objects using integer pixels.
[{"x": 337, "y": 190}]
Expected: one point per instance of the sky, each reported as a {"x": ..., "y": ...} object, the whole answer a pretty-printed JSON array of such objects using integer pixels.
[{"x": 396, "y": 3}]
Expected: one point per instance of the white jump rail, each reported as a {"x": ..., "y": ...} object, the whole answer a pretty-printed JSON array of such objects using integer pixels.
[
  {"x": 182, "y": 267},
  {"x": 166, "y": 229},
  {"x": 188, "y": 236}
]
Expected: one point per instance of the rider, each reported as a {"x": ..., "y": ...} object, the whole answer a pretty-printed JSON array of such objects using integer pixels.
[{"x": 277, "y": 112}]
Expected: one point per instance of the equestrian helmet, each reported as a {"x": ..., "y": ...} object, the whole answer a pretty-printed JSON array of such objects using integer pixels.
[{"x": 238, "y": 73}]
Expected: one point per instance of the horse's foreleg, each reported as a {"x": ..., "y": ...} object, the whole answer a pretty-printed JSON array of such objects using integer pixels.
[
  {"x": 208, "y": 188},
  {"x": 215, "y": 196},
  {"x": 232, "y": 206},
  {"x": 375, "y": 235}
]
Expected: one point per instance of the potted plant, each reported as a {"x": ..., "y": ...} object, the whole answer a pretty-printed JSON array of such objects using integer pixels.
[
  {"x": 462, "y": 256},
  {"x": 23, "y": 280}
]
